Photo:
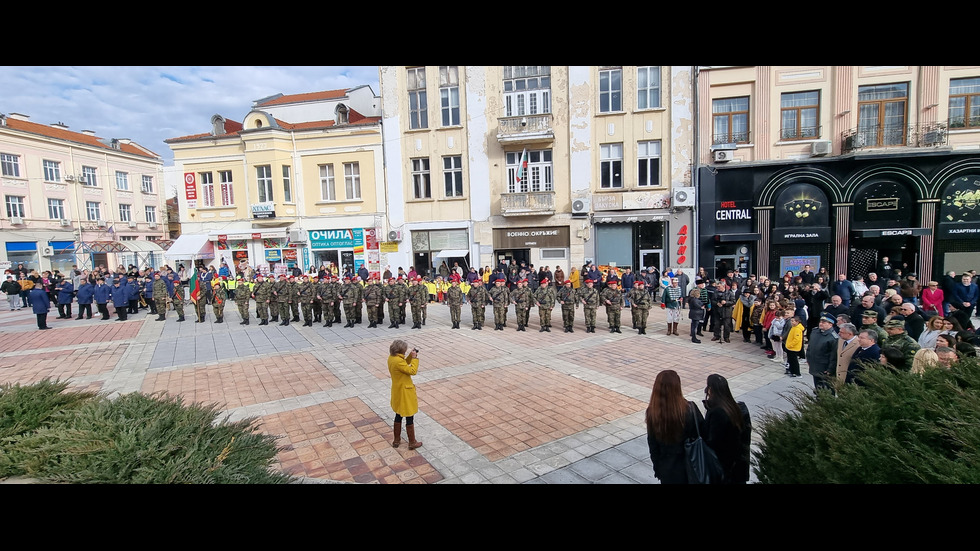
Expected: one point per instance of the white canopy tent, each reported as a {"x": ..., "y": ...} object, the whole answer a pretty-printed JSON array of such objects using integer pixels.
[{"x": 190, "y": 247}]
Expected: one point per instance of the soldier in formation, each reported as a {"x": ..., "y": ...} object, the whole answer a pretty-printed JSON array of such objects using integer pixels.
[
  {"x": 613, "y": 299},
  {"x": 545, "y": 297},
  {"x": 522, "y": 303},
  {"x": 454, "y": 299},
  {"x": 640, "y": 301},
  {"x": 478, "y": 303},
  {"x": 500, "y": 298},
  {"x": 218, "y": 297},
  {"x": 589, "y": 296},
  {"x": 568, "y": 298}
]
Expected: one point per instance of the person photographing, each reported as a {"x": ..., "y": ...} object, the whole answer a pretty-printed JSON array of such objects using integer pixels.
[{"x": 404, "y": 401}]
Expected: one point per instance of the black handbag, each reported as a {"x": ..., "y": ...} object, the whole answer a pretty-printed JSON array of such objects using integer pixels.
[{"x": 702, "y": 463}]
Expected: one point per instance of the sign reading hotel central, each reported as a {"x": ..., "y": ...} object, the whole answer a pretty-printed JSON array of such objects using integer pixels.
[{"x": 526, "y": 238}]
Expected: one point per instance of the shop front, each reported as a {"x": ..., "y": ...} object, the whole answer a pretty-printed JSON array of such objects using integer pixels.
[
  {"x": 348, "y": 249},
  {"x": 958, "y": 228},
  {"x": 538, "y": 246},
  {"x": 431, "y": 248},
  {"x": 631, "y": 229}
]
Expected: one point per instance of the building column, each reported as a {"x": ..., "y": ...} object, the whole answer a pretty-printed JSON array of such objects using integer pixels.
[
  {"x": 842, "y": 245},
  {"x": 927, "y": 243},
  {"x": 764, "y": 218}
]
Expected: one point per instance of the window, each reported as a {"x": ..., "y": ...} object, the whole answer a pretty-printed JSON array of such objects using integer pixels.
[
  {"x": 611, "y": 165},
  {"x": 122, "y": 181},
  {"x": 881, "y": 114},
  {"x": 125, "y": 213},
  {"x": 264, "y": 178},
  {"x": 610, "y": 90},
  {"x": 52, "y": 171},
  {"x": 287, "y": 192},
  {"x": 56, "y": 209},
  {"x": 9, "y": 165},
  {"x": 151, "y": 214},
  {"x": 128, "y": 237},
  {"x": 90, "y": 175},
  {"x": 93, "y": 210},
  {"x": 647, "y": 87},
  {"x": 227, "y": 188},
  {"x": 800, "y": 113},
  {"x": 147, "y": 184},
  {"x": 453, "y": 174},
  {"x": 529, "y": 171},
  {"x": 730, "y": 117},
  {"x": 352, "y": 180},
  {"x": 417, "y": 114},
  {"x": 207, "y": 189},
  {"x": 648, "y": 163},
  {"x": 421, "y": 179},
  {"x": 964, "y": 103},
  {"x": 327, "y": 190},
  {"x": 527, "y": 90},
  {"x": 449, "y": 95},
  {"x": 15, "y": 206}
]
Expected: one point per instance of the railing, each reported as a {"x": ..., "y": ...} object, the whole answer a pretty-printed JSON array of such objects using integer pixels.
[
  {"x": 916, "y": 135},
  {"x": 808, "y": 133},
  {"x": 528, "y": 124},
  {"x": 535, "y": 202},
  {"x": 730, "y": 137}
]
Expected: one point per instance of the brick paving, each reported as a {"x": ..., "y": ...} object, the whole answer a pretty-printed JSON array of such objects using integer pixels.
[{"x": 495, "y": 406}]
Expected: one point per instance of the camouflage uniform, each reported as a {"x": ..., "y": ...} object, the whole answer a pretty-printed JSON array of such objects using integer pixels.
[
  {"x": 281, "y": 290},
  {"x": 403, "y": 301},
  {"x": 160, "y": 297},
  {"x": 243, "y": 295},
  {"x": 612, "y": 297},
  {"x": 545, "y": 297},
  {"x": 454, "y": 298},
  {"x": 178, "y": 300},
  {"x": 478, "y": 303},
  {"x": 567, "y": 298},
  {"x": 417, "y": 297},
  {"x": 903, "y": 342},
  {"x": 263, "y": 300},
  {"x": 305, "y": 293},
  {"x": 393, "y": 296},
  {"x": 348, "y": 296},
  {"x": 318, "y": 299},
  {"x": 334, "y": 301},
  {"x": 522, "y": 304},
  {"x": 500, "y": 297},
  {"x": 219, "y": 295},
  {"x": 590, "y": 303},
  {"x": 641, "y": 302},
  {"x": 294, "y": 298},
  {"x": 358, "y": 298},
  {"x": 374, "y": 298}
]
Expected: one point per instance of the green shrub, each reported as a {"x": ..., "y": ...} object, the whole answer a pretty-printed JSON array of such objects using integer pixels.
[
  {"x": 899, "y": 429},
  {"x": 142, "y": 439}
]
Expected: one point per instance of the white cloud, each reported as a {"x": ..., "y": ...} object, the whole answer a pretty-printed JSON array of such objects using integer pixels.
[{"x": 152, "y": 104}]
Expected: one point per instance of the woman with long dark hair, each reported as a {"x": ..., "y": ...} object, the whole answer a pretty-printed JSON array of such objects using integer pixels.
[
  {"x": 671, "y": 420},
  {"x": 726, "y": 430}
]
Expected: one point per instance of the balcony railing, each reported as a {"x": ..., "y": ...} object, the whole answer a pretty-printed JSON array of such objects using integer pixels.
[
  {"x": 916, "y": 135},
  {"x": 730, "y": 137},
  {"x": 525, "y": 128},
  {"x": 806, "y": 133},
  {"x": 525, "y": 204}
]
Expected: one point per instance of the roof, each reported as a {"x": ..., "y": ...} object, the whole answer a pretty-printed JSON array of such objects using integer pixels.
[
  {"x": 299, "y": 98},
  {"x": 235, "y": 128},
  {"x": 77, "y": 137}
]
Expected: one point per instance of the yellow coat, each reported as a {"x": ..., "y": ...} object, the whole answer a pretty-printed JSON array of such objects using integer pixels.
[
  {"x": 404, "y": 401},
  {"x": 573, "y": 276},
  {"x": 794, "y": 341}
]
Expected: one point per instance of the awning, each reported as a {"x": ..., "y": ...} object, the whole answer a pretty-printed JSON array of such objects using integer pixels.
[
  {"x": 452, "y": 253},
  {"x": 630, "y": 217},
  {"x": 190, "y": 247}
]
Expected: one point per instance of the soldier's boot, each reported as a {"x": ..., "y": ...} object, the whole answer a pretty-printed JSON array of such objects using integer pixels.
[
  {"x": 474, "y": 326},
  {"x": 617, "y": 329},
  {"x": 264, "y": 322},
  {"x": 274, "y": 319},
  {"x": 329, "y": 323},
  {"x": 571, "y": 328},
  {"x": 398, "y": 435},
  {"x": 542, "y": 329},
  {"x": 245, "y": 322},
  {"x": 392, "y": 325},
  {"x": 412, "y": 442},
  {"x": 295, "y": 319},
  {"x": 161, "y": 317},
  {"x": 180, "y": 317},
  {"x": 221, "y": 319}
]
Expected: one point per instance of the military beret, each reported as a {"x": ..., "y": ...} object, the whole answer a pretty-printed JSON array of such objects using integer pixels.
[
  {"x": 639, "y": 282},
  {"x": 870, "y": 314},
  {"x": 544, "y": 280}
]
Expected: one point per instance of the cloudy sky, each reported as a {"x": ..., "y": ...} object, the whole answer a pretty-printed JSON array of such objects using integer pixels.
[{"x": 151, "y": 104}]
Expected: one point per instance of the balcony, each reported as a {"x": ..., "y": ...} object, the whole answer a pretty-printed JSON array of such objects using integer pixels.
[
  {"x": 535, "y": 203},
  {"x": 525, "y": 129},
  {"x": 916, "y": 135}
]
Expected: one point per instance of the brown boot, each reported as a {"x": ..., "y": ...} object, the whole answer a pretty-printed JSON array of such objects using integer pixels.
[
  {"x": 398, "y": 435},
  {"x": 412, "y": 443},
  {"x": 669, "y": 328},
  {"x": 675, "y": 329}
]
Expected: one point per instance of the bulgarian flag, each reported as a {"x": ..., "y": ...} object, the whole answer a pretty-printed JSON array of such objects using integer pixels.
[
  {"x": 195, "y": 286},
  {"x": 521, "y": 169}
]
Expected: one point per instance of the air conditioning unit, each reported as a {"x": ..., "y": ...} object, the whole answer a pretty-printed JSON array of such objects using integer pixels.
[
  {"x": 933, "y": 137},
  {"x": 297, "y": 236},
  {"x": 69, "y": 178},
  {"x": 724, "y": 155},
  {"x": 16, "y": 220},
  {"x": 395, "y": 235},
  {"x": 47, "y": 251},
  {"x": 65, "y": 222},
  {"x": 684, "y": 196},
  {"x": 132, "y": 224},
  {"x": 82, "y": 180},
  {"x": 854, "y": 141},
  {"x": 100, "y": 223},
  {"x": 821, "y": 148},
  {"x": 152, "y": 225},
  {"x": 580, "y": 207}
]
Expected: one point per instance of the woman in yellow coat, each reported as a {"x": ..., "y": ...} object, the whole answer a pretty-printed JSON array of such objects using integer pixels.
[{"x": 404, "y": 401}]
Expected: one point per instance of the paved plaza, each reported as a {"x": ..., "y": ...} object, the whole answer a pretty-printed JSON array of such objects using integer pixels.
[{"x": 499, "y": 407}]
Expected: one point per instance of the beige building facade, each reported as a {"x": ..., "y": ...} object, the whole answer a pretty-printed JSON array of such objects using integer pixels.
[
  {"x": 73, "y": 198},
  {"x": 509, "y": 164},
  {"x": 297, "y": 184}
]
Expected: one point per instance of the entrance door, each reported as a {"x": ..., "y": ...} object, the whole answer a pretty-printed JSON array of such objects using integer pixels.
[
  {"x": 324, "y": 258},
  {"x": 723, "y": 264},
  {"x": 652, "y": 258}
]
